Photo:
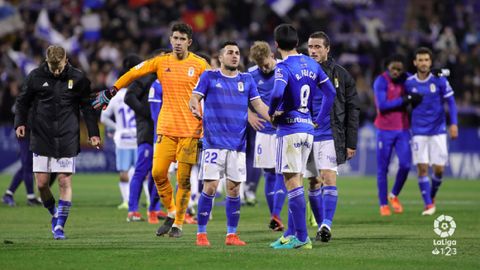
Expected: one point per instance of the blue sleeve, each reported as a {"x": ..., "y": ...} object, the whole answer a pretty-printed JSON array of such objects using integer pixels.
[
  {"x": 452, "y": 110},
  {"x": 253, "y": 91},
  {"x": 380, "y": 89},
  {"x": 445, "y": 88},
  {"x": 328, "y": 90},
  {"x": 281, "y": 77},
  {"x": 202, "y": 86},
  {"x": 155, "y": 100}
]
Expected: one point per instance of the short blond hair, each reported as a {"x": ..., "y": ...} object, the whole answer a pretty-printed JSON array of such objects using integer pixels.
[
  {"x": 259, "y": 51},
  {"x": 55, "y": 54}
]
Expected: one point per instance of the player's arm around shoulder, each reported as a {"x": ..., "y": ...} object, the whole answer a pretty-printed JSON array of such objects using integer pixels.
[
  {"x": 198, "y": 93},
  {"x": 254, "y": 97},
  {"x": 146, "y": 67}
]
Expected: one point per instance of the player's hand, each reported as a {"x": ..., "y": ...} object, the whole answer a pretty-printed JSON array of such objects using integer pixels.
[
  {"x": 350, "y": 153},
  {"x": 275, "y": 116},
  {"x": 453, "y": 131},
  {"x": 195, "y": 109},
  {"x": 412, "y": 98},
  {"x": 255, "y": 121},
  {"x": 102, "y": 98},
  {"x": 438, "y": 72},
  {"x": 20, "y": 131},
  {"x": 95, "y": 141}
]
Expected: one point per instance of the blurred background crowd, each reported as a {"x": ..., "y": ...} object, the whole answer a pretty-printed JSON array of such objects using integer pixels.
[{"x": 99, "y": 33}]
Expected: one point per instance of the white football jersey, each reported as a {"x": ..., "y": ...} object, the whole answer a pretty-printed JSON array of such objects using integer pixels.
[{"x": 124, "y": 125}]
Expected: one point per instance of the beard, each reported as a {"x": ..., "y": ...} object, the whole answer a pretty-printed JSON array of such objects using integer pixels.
[
  {"x": 231, "y": 68},
  {"x": 400, "y": 79}
]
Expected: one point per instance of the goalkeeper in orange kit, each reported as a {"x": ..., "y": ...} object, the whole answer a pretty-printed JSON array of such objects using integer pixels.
[{"x": 178, "y": 131}]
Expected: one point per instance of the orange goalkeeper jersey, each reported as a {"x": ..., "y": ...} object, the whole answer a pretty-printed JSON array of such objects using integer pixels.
[{"x": 178, "y": 78}]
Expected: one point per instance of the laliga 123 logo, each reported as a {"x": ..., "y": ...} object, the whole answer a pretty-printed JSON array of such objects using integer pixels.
[{"x": 444, "y": 226}]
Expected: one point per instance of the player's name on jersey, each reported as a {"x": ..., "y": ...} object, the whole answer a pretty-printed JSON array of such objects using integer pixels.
[{"x": 306, "y": 73}]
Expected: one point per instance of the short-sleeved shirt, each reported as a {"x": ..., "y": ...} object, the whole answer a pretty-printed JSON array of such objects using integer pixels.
[
  {"x": 265, "y": 87},
  {"x": 125, "y": 136},
  {"x": 428, "y": 117},
  {"x": 225, "y": 112},
  {"x": 178, "y": 78},
  {"x": 301, "y": 75}
]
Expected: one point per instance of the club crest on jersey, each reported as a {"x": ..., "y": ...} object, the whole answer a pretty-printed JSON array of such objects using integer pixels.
[
  {"x": 432, "y": 88},
  {"x": 240, "y": 87},
  {"x": 70, "y": 84},
  {"x": 191, "y": 71}
]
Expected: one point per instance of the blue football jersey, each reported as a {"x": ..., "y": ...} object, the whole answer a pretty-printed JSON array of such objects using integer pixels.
[
  {"x": 155, "y": 95},
  {"x": 265, "y": 88},
  {"x": 324, "y": 130},
  {"x": 296, "y": 78},
  {"x": 225, "y": 110},
  {"x": 428, "y": 117}
]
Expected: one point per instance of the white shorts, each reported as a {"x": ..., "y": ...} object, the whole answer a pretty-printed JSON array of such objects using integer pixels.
[
  {"x": 430, "y": 149},
  {"x": 53, "y": 165},
  {"x": 292, "y": 152},
  {"x": 322, "y": 157},
  {"x": 220, "y": 163},
  {"x": 265, "y": 150}
]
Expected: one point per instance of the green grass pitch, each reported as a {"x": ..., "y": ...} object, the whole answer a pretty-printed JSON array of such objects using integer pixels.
[{"x": 100, "y": 238}]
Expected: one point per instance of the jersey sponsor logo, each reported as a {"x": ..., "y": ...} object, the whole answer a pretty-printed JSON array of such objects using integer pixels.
[
  {"x": 191, "y": 71},
  {"x": 300, "y": 144},
  {"x": 45, "y": 84},
  {"x": 70, "y": 84},
  {"x": 64, "y": 163},
  {"x": 240, "y": 87},
  {"x": 433, "y": 88}
]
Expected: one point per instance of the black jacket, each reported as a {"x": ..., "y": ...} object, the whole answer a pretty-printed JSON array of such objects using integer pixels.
[
  {"x": 137, "y": 99},
  {"x": 345, "y": 113},
  {"x": 55, "y": 116}
]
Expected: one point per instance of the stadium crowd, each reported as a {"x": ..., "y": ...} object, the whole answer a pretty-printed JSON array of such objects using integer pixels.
[{"x": 363, "y": 34}]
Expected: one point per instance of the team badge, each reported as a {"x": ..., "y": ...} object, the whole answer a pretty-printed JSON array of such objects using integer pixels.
[
  {"x": 240, "y": 87},
  {"x": 432, "y": 88},
  {"x": 191, "y": 71},
  {"x": 70, "y": 84},
  {"x": 335, "y": 80}
]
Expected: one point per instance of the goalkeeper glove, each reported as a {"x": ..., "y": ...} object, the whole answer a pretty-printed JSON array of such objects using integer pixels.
[{"x": 103, "y": 98}]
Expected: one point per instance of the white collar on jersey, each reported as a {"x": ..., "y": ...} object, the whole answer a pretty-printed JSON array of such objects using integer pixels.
[
  {"x": 298, "y": 54},
  {"x": 224, "y": 75},
  {"x": 424, "y": 80}
]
